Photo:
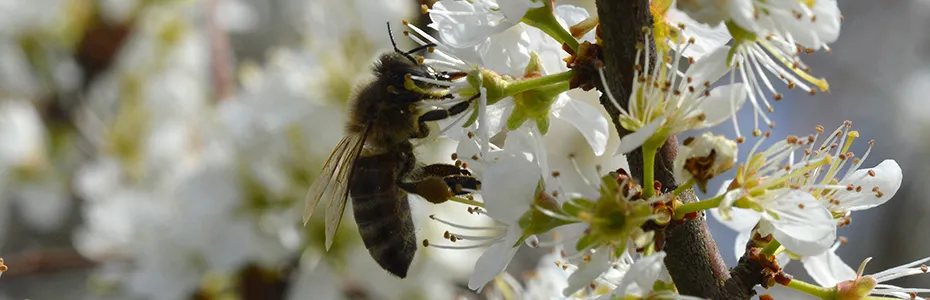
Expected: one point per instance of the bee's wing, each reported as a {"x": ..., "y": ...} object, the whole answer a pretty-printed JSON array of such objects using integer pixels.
[{"x": 333, "y": 183}]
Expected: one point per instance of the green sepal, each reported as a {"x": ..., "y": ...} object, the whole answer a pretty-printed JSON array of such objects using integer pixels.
[
  {"x": 534, "y": 221},
  {"x": 517, "y": 117},
  {"x": 575, "y": 206},
  {"x": 586, "y": 241},
  {"x": 543, "y": 124},
  {"x": 740, "y": 35},
  {"x": 534, "y": 66}
]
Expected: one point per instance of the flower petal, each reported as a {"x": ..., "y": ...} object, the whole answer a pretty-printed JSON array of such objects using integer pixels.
[
  {"x": 493, "y": 261},
  {"x": 516, "y": 9},
  {"x": 743, "y": 14},
  {"x": 707, "y": 38},
  {"x": 709, "y": 68},
  {"x": 740, "y": 219},
  {"x": 643, "y": 272},
  {"x": 569, "y": 15},
  {"x": 636, "y": 139},
  {"x": 722, "y": 103},
  {"x": 586, "y": 118},
  {"x": 739, "y": 246},
  {"x": 887, "y": 179},
  {"x": 803, "y": 225},
  {"x": 461, "y": 24},
  {"x": 588, "y": 271},
  {"x": 828, "y": 269},
  {"x": 509, "y": 187},
  {"x": 807, "y": 32}
]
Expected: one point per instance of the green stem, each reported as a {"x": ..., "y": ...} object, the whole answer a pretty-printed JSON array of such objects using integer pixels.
[
  {"x": 813, "y": 290},
  {"x": 649, "y": 163},
  {"x": 771, "y": 248},
  {"x": 536, "y": 82},
  {"x": 683, "y": 187},
  {"x": 544, "y": 19},
  {"x": 686, "y": 208}
]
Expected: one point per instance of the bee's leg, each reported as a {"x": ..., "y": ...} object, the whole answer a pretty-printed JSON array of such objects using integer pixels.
[
  {"x": 462, "y": 184},
  {"x": 436, "y": 115},
  {"x": 449, "y": 76},
  {"x": 433, "y": 189},
  {"x": 439, "y": 114},
  {"x": 439, "y": 182},
  {"x": 443, "y": 170}
]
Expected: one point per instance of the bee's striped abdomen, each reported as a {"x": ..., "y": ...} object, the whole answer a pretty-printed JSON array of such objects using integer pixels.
[{"x": 383, "y": 213}]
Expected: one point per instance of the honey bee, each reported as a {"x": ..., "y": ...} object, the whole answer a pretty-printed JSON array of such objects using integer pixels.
[{"x": 375, "y": 162}]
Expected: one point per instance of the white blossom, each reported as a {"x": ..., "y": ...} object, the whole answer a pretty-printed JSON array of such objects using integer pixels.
[
  {"x": 663, "y": 100},
  {"x": 510, "y": 178},
  {"x": 508, "y": 52},
  {"x": 464, "y": 24},
  {"x": 797, "y": 219},
  {"x": 812, "y": 24}
]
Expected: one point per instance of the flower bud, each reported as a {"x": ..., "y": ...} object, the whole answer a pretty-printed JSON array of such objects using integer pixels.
[
  {"x": 703, "y": 157},
  {"x": 855, "y": 289}
]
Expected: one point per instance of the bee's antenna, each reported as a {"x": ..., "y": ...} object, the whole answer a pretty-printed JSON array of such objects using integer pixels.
[
  {"x": 391, "y": 34},
  {"x": 408, "y": 53}
]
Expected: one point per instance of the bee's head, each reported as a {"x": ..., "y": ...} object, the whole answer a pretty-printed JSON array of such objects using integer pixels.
[{"x": 394, "y": 67}]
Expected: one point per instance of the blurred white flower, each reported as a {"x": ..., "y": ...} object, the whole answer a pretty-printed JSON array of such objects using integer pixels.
[
  {"x": 16, "y": 74},
  {"x": 547, "y": 280},
  {"x": 324, "y": 22},
  {"x": 640, "y": 278},
  {"x": 19, "y": 18},
  {"x": 22, "y": 135}
]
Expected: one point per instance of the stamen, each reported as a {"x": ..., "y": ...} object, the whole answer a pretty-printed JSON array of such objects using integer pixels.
[
  {"x": 467, "y": 227},
  {"x": 584, "y": 178},
  {"x": 426, "y": 243},
  {"x": 555, "y": 215},
  {"x": 610, "y": 95}
]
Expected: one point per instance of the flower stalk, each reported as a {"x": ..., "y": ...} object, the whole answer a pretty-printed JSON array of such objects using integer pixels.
[
  {"x": 544, "y": 19},
  {"x": 813, "y": 290},
  {"x": 537, "y": 82},
  {"x": 691, "y": 207}
]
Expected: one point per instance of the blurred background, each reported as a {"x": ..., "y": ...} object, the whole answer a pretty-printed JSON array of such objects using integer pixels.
[{"x": 161, "y": 149}]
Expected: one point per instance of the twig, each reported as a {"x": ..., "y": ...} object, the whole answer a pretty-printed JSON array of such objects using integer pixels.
[
  {"x": 44, "y": 261},
  {"x": 692, "y": 258},
  {"x": 220, "y": 55}
]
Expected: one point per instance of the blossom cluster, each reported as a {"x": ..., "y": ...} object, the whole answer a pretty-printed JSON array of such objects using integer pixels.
[
  {"x": 786, "y": 200},
  {"x": 191, "y": 168}
]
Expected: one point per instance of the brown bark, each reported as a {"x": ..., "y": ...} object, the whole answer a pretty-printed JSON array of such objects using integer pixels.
[{"x": 692, "y": 257}]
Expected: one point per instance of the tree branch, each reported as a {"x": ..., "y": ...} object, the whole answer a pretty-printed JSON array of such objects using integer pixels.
[
  {"x": 692, "y": 258},
  {"x": 45, "y": 261}
]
